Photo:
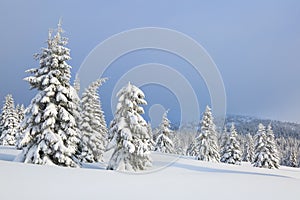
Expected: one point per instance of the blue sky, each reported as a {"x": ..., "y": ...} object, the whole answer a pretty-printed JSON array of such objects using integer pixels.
[{"x": 255, "y": 44}]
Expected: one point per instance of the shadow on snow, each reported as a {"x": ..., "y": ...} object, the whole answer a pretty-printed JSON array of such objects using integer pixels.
[{"x": 212, "y": 170}]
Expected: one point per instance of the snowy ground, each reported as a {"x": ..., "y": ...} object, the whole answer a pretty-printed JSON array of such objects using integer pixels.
[{"x": 170, "y": 178}]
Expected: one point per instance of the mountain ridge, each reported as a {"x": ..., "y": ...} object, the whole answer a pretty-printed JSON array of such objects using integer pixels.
[{"x": 248, "y": 124}]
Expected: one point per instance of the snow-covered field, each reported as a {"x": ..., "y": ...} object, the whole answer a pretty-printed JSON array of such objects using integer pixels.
[{"x": 170, "y": 178}]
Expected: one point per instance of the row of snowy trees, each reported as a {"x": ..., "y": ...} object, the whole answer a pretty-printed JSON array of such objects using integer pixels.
[
  {"x": 288, "y": 148},
  {"x": 63, "y": 129},
  {"x": 262, "y": 152}
]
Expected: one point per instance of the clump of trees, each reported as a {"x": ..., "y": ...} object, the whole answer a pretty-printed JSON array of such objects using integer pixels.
[{"x": 60, "y": 128}]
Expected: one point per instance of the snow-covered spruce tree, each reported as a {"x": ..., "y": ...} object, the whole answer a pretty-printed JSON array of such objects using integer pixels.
[
  {"x": 187, "y": 138},
  {"x": 283, "y": 148},
  {"x": 78, "y": 110},
  {"x": 20, "y": 110},
  {"x": 9, "y": 124},
  {"x": 163, "y": 142},
  {"x": 293, "y": 159},
  {"x": 191, "y": 147},
  {"x": 179, "y": 146},
  {"x": 262, "y": 156},
  {"x": 151, "y": 143},
  {"x": 128, "y": 133},
  {"x": 93, "y": 126},
  {"x": 76, "y": 84},
  {"x": 248, "y": 149},
  {"x": 223, "y": 140},
  {"x": 191, "y": 150},
  {"x": 260, "y": 150},
  {"x": 272, "y": 148},
  {"x": 206, "y": 143},
  {"x": 231, "y": 152},
  {"x": 51, "y": 134}
]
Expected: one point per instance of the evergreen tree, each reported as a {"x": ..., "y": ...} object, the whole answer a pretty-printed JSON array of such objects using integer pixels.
[
  {"x": 283, "y": 150},
  {"x": 260, "y": 149},
  {"x": 206, "y": 146},
  {"x": 77, "y": 101},
  {"x": 248, "y": 149},
  {"x": 51, "y": 134},
  {"x": 129, "y": 135},
  {"x": 272, "y": 148},
  {"x": 152, "y": 143},
  {"x": 186, "y": 139},
  {"x": 231, "y": 153},
  {"x": 9, "y": 123},
  {"x": 178, "y": 143},
  {"x": 263, "y": 155},
  {"x": 293, "y": 159},
  {"x": 191, "y": 150},
  {"x": 163, "y": 142},
  {"x": 93, "y": 125},
  {"x": 223, "y": 140},
  {"x": 76, "y": 84},
  {"x": 20, "y": 110}
]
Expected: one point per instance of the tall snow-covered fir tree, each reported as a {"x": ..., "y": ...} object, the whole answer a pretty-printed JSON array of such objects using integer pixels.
[
  {"x": 9, "y": 124},
  {"x": 51, "y": 134},
  {"x": 260, "y": 150},
  {"x": 163, "y": 142},
  {"x": 248, "y": 149},
  {"x": 93, "y": 126},
  {"x": 263, "y": 155},
  {"x": 129, "y": 133},
  {"x": 231, "y": 152},
  {"x": 206, "y": 144},
  {"x": 272, "y": 148}
]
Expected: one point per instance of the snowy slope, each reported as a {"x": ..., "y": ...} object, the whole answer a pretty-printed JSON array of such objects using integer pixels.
[{"x": 184, "y": 178}]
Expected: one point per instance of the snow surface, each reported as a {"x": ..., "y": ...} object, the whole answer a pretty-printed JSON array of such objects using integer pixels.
[{"x": 170, "y": 177}]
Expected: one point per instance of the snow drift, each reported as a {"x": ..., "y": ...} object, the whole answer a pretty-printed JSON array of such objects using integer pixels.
[{"x": 170, "y": 177}]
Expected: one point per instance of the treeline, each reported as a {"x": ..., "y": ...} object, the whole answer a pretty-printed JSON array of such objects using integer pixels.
[
  {"x": 246, "y": 125},
  {"x": 288, "y": 147}
]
